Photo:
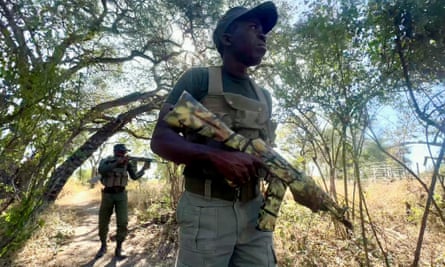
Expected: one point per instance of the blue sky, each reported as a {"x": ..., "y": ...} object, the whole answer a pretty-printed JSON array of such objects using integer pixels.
[{"x": 387, "y": 118}]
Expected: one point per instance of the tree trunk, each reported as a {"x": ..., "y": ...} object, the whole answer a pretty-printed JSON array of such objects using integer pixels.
[{"x": 66, "y": 169}]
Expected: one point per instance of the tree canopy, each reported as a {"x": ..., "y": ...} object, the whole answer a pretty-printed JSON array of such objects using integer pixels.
[{"x": 74, "y": 73}]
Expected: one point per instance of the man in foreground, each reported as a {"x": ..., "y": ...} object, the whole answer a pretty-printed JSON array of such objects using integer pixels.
[{"x": 217, "y": 218}]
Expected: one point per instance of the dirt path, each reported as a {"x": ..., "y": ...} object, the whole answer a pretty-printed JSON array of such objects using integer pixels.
[{"x": 147, "y": 244}]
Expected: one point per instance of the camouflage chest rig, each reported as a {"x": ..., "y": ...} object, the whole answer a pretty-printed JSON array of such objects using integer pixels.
[
  {"x": 117, "y": 176},
  {"x": 244, "y": 115}
]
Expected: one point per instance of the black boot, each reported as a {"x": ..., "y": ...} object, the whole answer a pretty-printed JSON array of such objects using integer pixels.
[
  {"x": 102, "y": 250},
  {"x": 118, "y": 252}
]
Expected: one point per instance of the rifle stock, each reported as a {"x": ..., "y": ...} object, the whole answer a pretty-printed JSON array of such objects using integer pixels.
[{"x": 189, "y": 113}]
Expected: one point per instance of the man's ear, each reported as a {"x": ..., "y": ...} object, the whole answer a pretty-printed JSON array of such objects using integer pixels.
[{"x": 226, "y": 39}]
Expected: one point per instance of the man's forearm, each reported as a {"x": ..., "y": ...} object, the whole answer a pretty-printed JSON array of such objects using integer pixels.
[
  {"x": 171, "y": 146},
  {"x": 139, "y": 174}
]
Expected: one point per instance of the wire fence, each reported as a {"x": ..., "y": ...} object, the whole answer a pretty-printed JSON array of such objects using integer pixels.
[{"x": 384, "y": 171}]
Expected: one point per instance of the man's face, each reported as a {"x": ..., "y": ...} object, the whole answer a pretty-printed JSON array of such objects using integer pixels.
[
  {"x": 120, "y": 153},
  {"x": 248, "y": 42}
]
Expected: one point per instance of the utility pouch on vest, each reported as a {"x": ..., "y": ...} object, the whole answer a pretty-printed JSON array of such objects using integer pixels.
[
  {"x": 245, "y": 116},
  {"x": 249, "y": 113},
  {"x": 118, "y": 176}
]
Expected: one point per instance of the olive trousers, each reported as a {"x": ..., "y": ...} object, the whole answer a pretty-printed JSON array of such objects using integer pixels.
[
  {"x": 221, "y": 233},
  {"x": 119, "y": 203}
]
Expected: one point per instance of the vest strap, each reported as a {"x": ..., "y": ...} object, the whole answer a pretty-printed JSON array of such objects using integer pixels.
[
  {"x": 260, "y": 94},
  {"x": 215, "y": 86},
  {"x": 208, "y": 189}
]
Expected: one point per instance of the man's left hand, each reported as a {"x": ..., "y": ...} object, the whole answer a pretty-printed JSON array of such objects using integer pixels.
[{"x": 146, "y": 165}]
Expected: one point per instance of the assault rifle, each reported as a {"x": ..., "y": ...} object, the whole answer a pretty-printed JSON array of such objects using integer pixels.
[
  {"x": 149, "y": 160},
  {"x": 189, "y": 113},
  {"x": 97, "y": 178},
  {"x": 140, "y": 159}
]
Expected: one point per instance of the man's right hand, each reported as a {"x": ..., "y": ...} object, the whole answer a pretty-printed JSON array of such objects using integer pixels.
[
  {"x": 122, "y": 160},
  {"x": 238, "y": 167}
]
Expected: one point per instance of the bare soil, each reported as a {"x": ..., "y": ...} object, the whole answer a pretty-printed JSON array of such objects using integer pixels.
[{"x": 76, "y": 244}]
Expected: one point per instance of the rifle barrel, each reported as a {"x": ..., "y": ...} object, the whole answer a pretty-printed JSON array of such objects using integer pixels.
[{"x": 140, "y": 159}]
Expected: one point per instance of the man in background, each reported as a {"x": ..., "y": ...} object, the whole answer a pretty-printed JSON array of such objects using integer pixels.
[{"x": 114, "y": 171}]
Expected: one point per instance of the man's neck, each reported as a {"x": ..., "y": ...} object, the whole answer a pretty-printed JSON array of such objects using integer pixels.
[{"x": 234, "y": 67}]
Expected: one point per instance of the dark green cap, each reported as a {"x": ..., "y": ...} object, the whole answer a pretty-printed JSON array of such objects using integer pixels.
[
  {"x": 120, "y": 147},
  {"x": 265, "y": 12}
]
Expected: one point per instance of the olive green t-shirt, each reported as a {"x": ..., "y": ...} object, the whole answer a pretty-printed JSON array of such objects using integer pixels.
[{"x": 196, "y": 80}]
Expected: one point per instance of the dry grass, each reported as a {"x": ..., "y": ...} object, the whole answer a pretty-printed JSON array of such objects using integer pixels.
[
  {"x": 306, "y": 239},
  {"x": 301, "y": 238}
]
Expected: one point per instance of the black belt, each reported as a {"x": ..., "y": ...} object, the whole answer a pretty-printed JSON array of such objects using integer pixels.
[
  {"x": 221, "y": 191},
  {"x": 114, "y": 189}
]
